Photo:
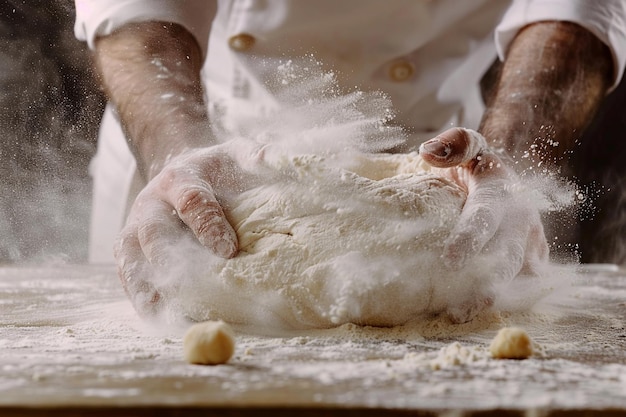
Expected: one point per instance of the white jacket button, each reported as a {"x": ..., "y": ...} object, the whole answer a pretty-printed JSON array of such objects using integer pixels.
[
  {"x": 401, "y": 70},
  {"x": 241, "y": 42}
]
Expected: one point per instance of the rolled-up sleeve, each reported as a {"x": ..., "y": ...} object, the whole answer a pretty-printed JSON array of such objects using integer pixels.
[
  {"x": 605, "y": 18},
  {"x": 101, "y": 17}
]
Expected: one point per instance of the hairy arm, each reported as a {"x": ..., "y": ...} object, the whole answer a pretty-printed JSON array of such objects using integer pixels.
[
  {"x": 544, "y": 95},
  {"x": 546, "y": 92},
  {"x": 151, "y": 73}
]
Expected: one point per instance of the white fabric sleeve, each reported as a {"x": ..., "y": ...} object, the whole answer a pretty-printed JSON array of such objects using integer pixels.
[
  {"x": 604, "y": 18},
  {"x": 101, "y": 17}
]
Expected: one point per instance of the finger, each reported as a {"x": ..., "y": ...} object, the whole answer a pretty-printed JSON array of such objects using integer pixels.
[
  {"x": 524, "y": 256},
  {"x": 538, "y": 251},
  {"x": 477, "y": 224},
  {"x": 135, "y": 273},
  {"x": 158, "y": 231},
  {"x": 485, "y": 167},
  {"x": 469, "y": 308},
  {"x": 519, "y": 247},
  {"x": 509, "y": 256},
  {"x": 483, "y": 211},
  {"x": 456, "y": 146},
  {"x": 200, "y": 210}
]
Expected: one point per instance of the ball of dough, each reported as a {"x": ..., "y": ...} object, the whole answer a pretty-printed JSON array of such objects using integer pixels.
[
  {"x": 321, "y": 246},
  {"x": 209, "y": 343},
  {"x": 511, "y": 343}
]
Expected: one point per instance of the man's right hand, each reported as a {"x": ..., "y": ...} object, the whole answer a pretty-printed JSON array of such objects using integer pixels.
[
  {"x": 151, "y": 73},
  {"x": 182, "y": 202}
]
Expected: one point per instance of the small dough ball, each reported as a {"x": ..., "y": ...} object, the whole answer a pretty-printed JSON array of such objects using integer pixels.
[
  {"x": 511, "y": 343},
  {"x": 209, "y": 343}
]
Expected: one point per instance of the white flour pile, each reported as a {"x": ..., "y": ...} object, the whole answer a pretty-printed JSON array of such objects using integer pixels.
[{"x": 335, "y": 234}]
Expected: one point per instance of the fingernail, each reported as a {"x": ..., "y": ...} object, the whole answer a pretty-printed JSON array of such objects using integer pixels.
[
  {"x": 147, "y": 302},
  {"x": 225, "y": 248},
  {"x": 453, "y": 258},
  {"x": 436, "y": 147}
]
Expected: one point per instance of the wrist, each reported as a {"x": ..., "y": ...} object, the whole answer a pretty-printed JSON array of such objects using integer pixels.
[
  {"x": 172, "y": 141},
  {"x": 539, "y": 106},
  {"x": 522, "y": 143},
  {"x": 151, "y": 72}
]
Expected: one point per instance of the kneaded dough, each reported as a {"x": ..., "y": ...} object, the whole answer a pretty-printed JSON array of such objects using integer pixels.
[
  {"x": 209, "y": 343},
  {"x": 511, "y": 343},
  {"x": 329, "y": 241}
]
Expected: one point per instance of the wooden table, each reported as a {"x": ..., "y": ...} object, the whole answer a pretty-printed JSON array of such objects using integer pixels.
[{"x": 71, "y": 345}]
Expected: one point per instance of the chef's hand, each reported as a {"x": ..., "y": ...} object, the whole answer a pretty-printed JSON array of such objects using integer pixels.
[
  {"x": 497, "y": 220},
  {"x": 182, "y": 202}
]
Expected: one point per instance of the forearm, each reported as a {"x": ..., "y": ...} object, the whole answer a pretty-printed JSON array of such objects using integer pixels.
[
  {"x": 151, "y": 73},
  {"x": 548, "y": 89}
]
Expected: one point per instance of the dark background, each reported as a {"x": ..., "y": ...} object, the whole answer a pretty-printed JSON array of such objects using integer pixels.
[
  {"x": 50, "y": 108},
  {"x": 600, "y": 168}
]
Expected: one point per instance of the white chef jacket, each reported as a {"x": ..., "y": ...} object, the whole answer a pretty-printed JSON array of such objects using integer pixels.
[{"x": 427, "y": 55}]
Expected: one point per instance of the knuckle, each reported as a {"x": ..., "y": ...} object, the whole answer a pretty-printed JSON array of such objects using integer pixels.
[
  {"x": 194, "y": 199},
  {"x": 209, "y": 226},
  {"x": 146, "y": 301},
  {"x": 149, "y": 231},
  {"x": 128, "y": 232},
  {"x": 168, "y": 175},
  {"x": 174, "y": 175},
  {"x": 157, "y": 241}
]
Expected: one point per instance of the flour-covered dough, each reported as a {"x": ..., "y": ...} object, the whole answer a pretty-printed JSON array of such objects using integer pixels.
[
  {"x": 330, "y": 241},
  {"x": 511, "y": 343},
  {"x": 209, "y": 343}
]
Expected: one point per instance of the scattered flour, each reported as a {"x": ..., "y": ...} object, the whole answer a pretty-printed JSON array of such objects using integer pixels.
[
  {"x": 455, "y": 354},
  {"x": 334, "y": 233},
  {"x": 335, "y": 240},
  {"x": 70, "y": 337},
  {"x": 323, "y": 246}
]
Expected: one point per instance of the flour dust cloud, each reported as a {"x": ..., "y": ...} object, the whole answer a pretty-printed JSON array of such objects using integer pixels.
[
  {"x": 332, "y": 231},
  {"x": 50, "y": 107}
]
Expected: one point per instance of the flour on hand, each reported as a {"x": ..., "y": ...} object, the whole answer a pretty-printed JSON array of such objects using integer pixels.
[
  {"x": 332, "y": 233},
  {"x": 323, "y": 246}
]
